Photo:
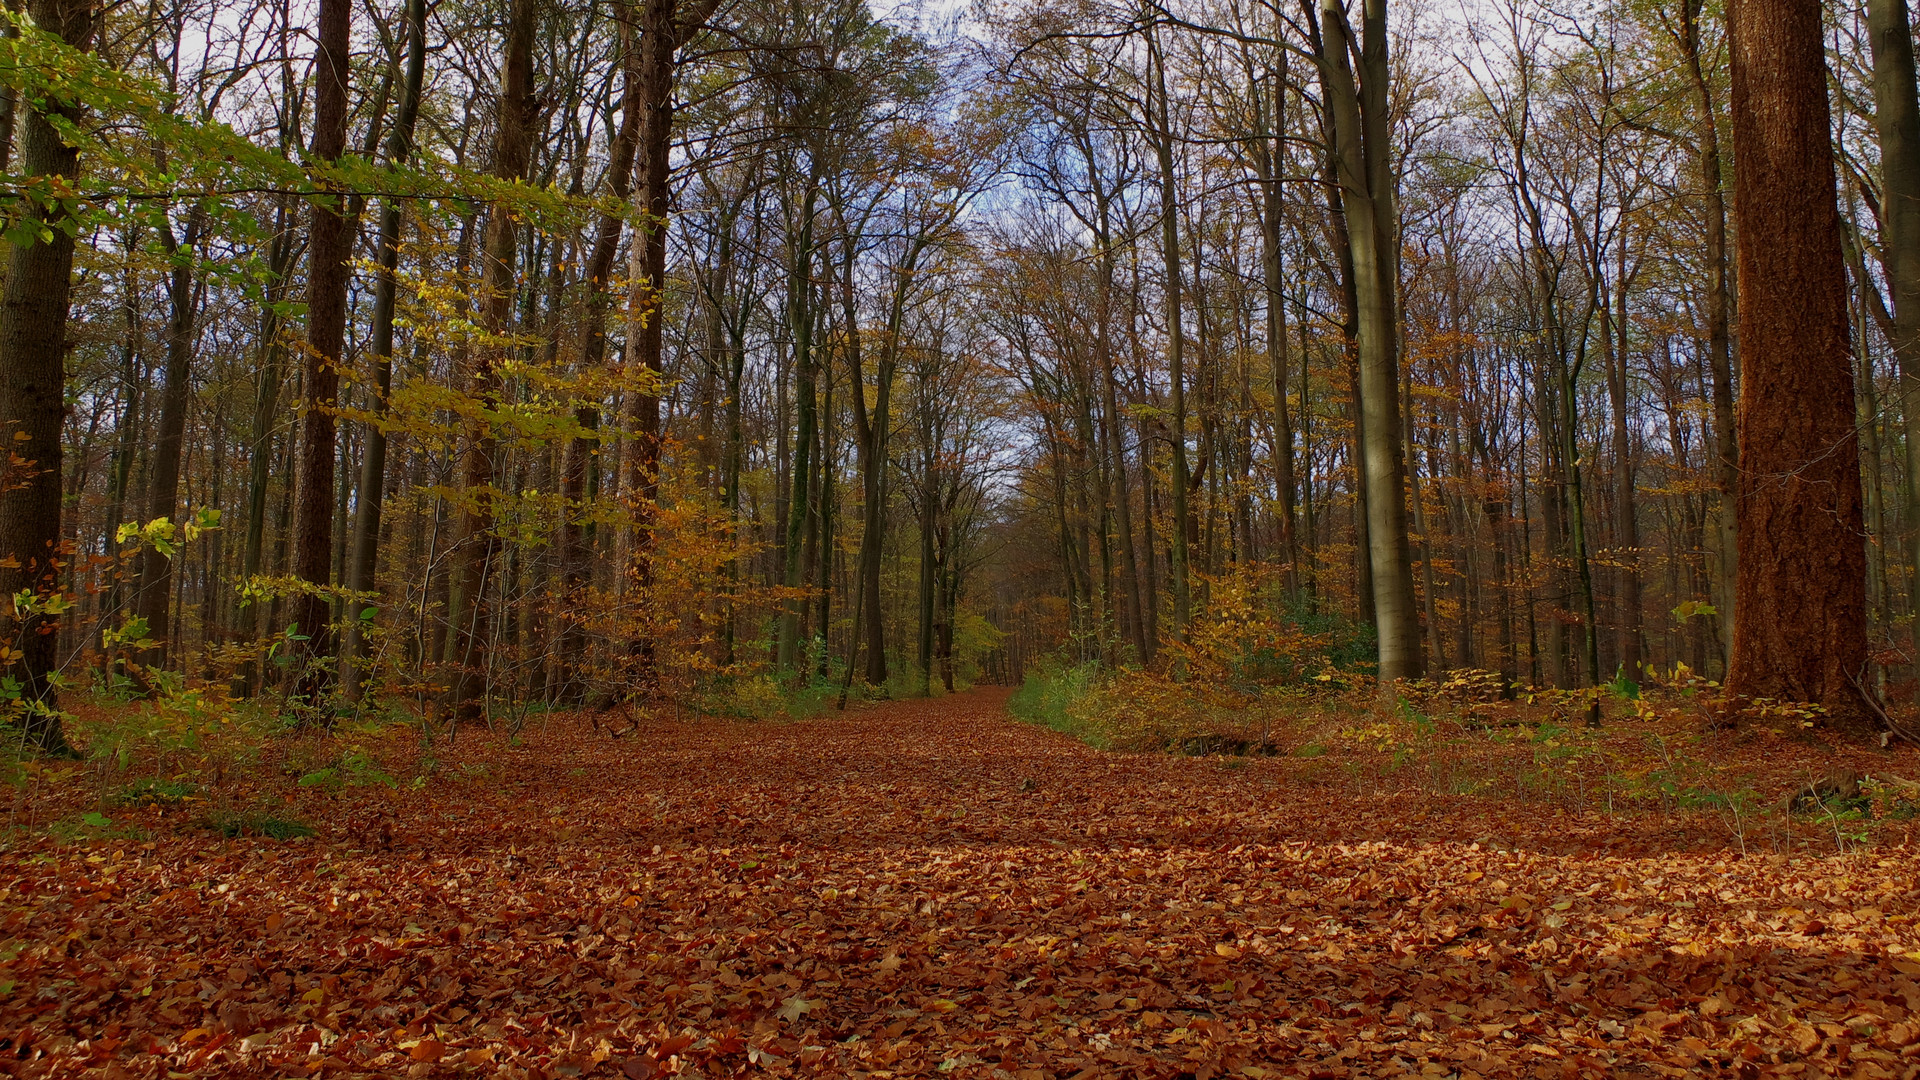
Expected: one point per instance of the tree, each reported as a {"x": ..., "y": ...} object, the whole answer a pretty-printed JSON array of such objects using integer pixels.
[
  {"x": 513, "y": 142},
  {"x": 364, "y": 559},
  {"x": 33, "y": 350},
  {"x": 329, "y": 271},
  {"x": 1897, "y": 117},
  {"x": 1800, "y": 617},
  {"x": 1362, "y": 149}
]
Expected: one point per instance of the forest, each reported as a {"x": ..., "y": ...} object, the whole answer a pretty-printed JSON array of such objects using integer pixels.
[{"x": 1020, "y": 539}]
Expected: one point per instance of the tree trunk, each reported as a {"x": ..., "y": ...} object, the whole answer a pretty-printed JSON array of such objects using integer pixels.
[
  {"x": 1625, "y": 511},
  {"x": 154, "y": 575},
  {"x": 1897, "y": 118},
  {"x": 364, "y": 559},
  {"x": 1176, "y": 342},
  {"x": 33, "y": 350},
  {"x": 329, "y": 254},
  {"x": 800, "y": 497},
  {"x": 513, "y": 137},
  {"x": 580, "y": 461},
  {"x": 1267, "y": 158},
  {"x": 1800, "y": 595},
  {"x": 1726, "y": 466},
  {"x": 663, "y": 26},
  {"x": 1366, "y": 180}
]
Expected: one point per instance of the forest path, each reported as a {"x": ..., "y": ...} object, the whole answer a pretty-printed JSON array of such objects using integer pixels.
[{"x": 931, "y": 888}]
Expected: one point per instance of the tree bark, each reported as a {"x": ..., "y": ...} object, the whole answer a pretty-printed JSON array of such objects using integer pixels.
[
  {"x": 1176, "y": 342},
  {"x": 1360, "y": 124},
  {"x": 513, "y": 139},
  {"x": 329, "y": 268},
  {"x": 1800, "y": 594},
  {"x": 664, "y": 26},
  {"x": 580, "y": 461},
  {"x": 1896, "y": 116},
  {"x": 1726, "y": 465},
  {"x": 363, "y": 562},
  {"x": 153, "y": 592},
  {"x": 33, "y": 350}
]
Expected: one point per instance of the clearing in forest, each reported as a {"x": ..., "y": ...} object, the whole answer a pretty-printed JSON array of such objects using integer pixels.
[{"x": 931, "y": 888}]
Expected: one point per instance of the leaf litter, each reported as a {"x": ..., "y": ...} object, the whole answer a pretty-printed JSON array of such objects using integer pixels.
[{"x": 932, "y": 889}]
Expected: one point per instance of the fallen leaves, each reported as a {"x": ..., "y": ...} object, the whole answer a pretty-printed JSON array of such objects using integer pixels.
[{"x": 885, "y": 893}]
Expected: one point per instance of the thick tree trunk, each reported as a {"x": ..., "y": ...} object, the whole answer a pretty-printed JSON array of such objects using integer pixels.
[
  {"x": 329, "y": 254},
  {"x": 1800, "y": 615},
  {"x": 33, "y": 350}
]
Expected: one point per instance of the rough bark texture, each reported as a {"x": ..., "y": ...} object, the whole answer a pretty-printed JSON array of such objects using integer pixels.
[
  {"x": 1800, "y": 617},
  {"x": 329, "y": 251},
  {"x": 33, "y": 349}
]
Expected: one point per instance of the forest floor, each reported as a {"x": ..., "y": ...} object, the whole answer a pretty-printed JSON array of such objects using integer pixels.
[{"x": 930, "y": 888}]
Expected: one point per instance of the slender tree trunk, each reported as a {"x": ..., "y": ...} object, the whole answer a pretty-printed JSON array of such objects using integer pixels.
[
  {"x": 663, "y": 26},
  {"x": 364, "y": 559},
  {"x": 513, "y": 138},
  {"x": 1897, "y": 118},
  {"x": 800, "y": 504},
  {"x": 583, "y": 450},
  {"x": 1800, "y": 615},
  {"x": 154, "y": 575},
  {"x": 1117, "y": 449},
  {"x": 1176, "y": 340},
  {"x": 1366, "y": 180},
  {"x": 1625, "y": 509},
  {"x": 1726, "y": 465},
  {"x": 1268, "y": 159}
]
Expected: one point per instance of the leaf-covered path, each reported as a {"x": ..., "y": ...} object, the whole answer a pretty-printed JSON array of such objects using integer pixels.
[{"x": 930, "y": 888}]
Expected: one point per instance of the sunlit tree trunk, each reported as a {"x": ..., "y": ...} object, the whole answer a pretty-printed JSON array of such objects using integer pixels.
[{"x": 1360, "y": 122}]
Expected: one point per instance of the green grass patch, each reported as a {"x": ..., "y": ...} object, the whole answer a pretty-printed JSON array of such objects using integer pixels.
[{"x": 1050, "y": 696}]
